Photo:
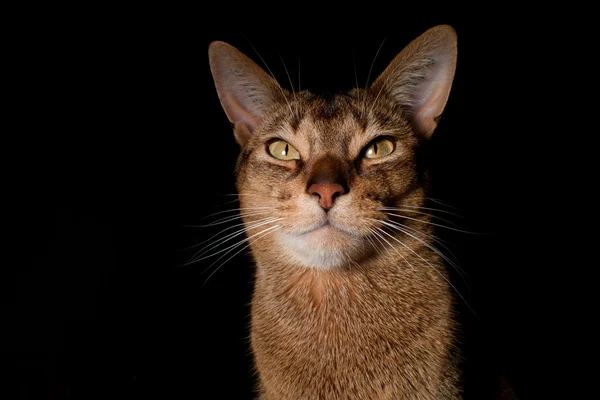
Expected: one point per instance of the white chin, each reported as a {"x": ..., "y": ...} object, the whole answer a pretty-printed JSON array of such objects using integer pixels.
[{"x": 323, "y": 248}]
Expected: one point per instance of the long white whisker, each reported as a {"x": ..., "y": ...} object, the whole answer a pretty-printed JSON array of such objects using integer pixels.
[
  {"x": 250, "y": 194},
  {"x": 238, "y": 209},
  {"x": 432, "y": 248},
  {"x": 291, "y": 84},
  {"x": 373, "y": 63},
  {"x": 432, "y": 223},
  {"x": 215, "y": 235},
  {"x": 238, "y": 199},
  {"x": 273, "y": 76},
  {"x": 372, "y": 242},
  {"x": 443, "y": 204},
  {"x": 392, "y": 246},
  {"x": 407, "y": 208},
  {"x": 351, "y": 261},
  {"x": 377, "y": 236},
  {"x": 370, "y": 71},
  {"x": 299, "y": 76},
  {"x": 226, "y": 250},
  {"x": 390, "y": 74},
  {"x": 217, "y": 243},
  {"x": 358, "y": 90},
  {"x": 421, "y": 213},
  {"x": 355, "y": 71},
  {"x": 430, "y": 237},
  {"x": 234, "y": 246},
  {"x": 201, "y": 256},
  {"x": 262, "y": 233},
  {"x": 233, "y": 218},
  {"x": 429, "y": 264},
  {"x": 227, "y": 211}
]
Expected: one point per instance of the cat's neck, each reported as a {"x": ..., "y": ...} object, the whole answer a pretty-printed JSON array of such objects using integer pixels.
[{"x": 399, "y": 264}]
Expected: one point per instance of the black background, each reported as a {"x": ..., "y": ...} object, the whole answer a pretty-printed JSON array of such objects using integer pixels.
[{"x": 120, "y": 140}]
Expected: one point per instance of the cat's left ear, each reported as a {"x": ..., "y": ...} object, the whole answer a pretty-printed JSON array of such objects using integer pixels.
[{"x": 420, "y": 77}]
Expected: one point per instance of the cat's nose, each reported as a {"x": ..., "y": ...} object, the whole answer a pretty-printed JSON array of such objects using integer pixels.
[
  {"x": 327, "y": 193},
  {"x": 327, "y": 178}
]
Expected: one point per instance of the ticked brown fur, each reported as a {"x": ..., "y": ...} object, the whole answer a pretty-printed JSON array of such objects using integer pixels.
[{"x": 345, "y": 304}]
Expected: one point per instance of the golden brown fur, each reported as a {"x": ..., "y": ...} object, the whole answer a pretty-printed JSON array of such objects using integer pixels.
[{"x": 344, "y": 306}]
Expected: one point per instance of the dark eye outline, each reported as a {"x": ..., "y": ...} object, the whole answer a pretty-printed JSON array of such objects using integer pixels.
[
  {"x": 374, "y": 142},
  {"x": 268, "y": 149}
]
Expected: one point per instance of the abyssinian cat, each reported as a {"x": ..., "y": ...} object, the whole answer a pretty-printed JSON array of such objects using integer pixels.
[{"x": 351, "y": 300}]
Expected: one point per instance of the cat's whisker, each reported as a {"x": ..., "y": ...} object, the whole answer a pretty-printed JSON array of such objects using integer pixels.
[
  {"x": 276, "y": 82},
  {"x": 432, "y": 223},
  {"x": 433, "y": 238},
  {"x": 212, "y": 237},
  {"x": 353, "y": 262},
  {"x": 262, "y": 234},
  {"x": 227, "y": 219},
  {"x": 377, "y": 237},
  {"x": 417, "y": 232},
  {"x": 299, "y": 86},
  {"x": 389, "y": 75},
  {"x": 381, "y": 240},
  {"x": 370, "y": 71},
  {"x": 415, "y": 209},
  {"x": 291, "y": 84},
  {"x": 229, "y": 228},
  {"x": 355, "y": 71},
  {"x": 399, "y": 227},
  {"x": 266, "y": 196},
  {"x": 372, "y": 242},
  {"x": 230, "y": 218},
  {"x": 232, "y": 210},
  {"x": 409, "y": 207},
  {"x": 234, "y": 246},
  {"x": 374, "y": 103},
  {"x": 376, "y": 230},
  {"x": 404, "y": 210},
  {"x": 426, "y": 262},
  {"x": 203, "y": 256},
  {"x": 438, "y": 201}
]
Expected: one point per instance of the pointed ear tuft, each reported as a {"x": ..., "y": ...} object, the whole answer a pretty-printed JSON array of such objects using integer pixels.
[
  {"x": 420, "y": 77},
  {"x": 245, "y": 90}
]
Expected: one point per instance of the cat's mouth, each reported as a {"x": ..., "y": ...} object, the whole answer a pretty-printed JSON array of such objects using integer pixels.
[
  {"x": 323, "y": 245},
  {"x": 326, "y": 241},
  {"x": 326, "y": 226}
]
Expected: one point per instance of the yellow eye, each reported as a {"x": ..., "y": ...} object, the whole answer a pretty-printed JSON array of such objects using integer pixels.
[
  {"x": 379, "y": 148},
  {"x": 282, "y": 150}
]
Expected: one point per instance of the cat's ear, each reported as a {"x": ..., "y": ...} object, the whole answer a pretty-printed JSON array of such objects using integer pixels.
[
  {"x": 420, "y": 77},
  {"x": 244, "y": 89}
]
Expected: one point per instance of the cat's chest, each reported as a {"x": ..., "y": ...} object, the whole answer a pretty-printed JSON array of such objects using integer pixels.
[
  {"x": 344, "y": 311},
  {"x": 309, "y": 333},
  {"x": 345, "y": 349}
]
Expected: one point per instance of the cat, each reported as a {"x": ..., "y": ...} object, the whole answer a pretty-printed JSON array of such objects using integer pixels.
[{"x": 351, "y": 300}]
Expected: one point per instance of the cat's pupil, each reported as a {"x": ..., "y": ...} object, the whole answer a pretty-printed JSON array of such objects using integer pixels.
[
  {"x": 375, "y": 147},
  {"x": 285, "y": 152}
]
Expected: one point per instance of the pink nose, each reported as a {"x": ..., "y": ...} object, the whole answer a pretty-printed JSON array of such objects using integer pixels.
[{"x": 327, "y": 193}]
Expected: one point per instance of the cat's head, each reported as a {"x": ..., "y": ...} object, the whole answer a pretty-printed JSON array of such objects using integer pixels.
[{"x": 316, "y": 173}]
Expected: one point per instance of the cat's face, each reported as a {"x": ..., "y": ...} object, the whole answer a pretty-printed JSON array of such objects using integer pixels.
[
  {"x": 315, "y": 173},
  {"x": 368, "y": 151}
]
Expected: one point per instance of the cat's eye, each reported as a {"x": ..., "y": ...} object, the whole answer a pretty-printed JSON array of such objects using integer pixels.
[
  {"x": 378, "y": 148},
  {"x": 282, "y": 150}
]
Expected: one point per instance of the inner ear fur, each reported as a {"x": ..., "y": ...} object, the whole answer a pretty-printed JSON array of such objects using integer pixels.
[
  {"x": 245, "y": 90},
  {"x": 419, "y": 78}
]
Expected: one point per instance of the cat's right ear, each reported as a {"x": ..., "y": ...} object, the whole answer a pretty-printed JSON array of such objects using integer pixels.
[
  {"x": 420, "y": 77},
  {"x": 245, "y": 90}
]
